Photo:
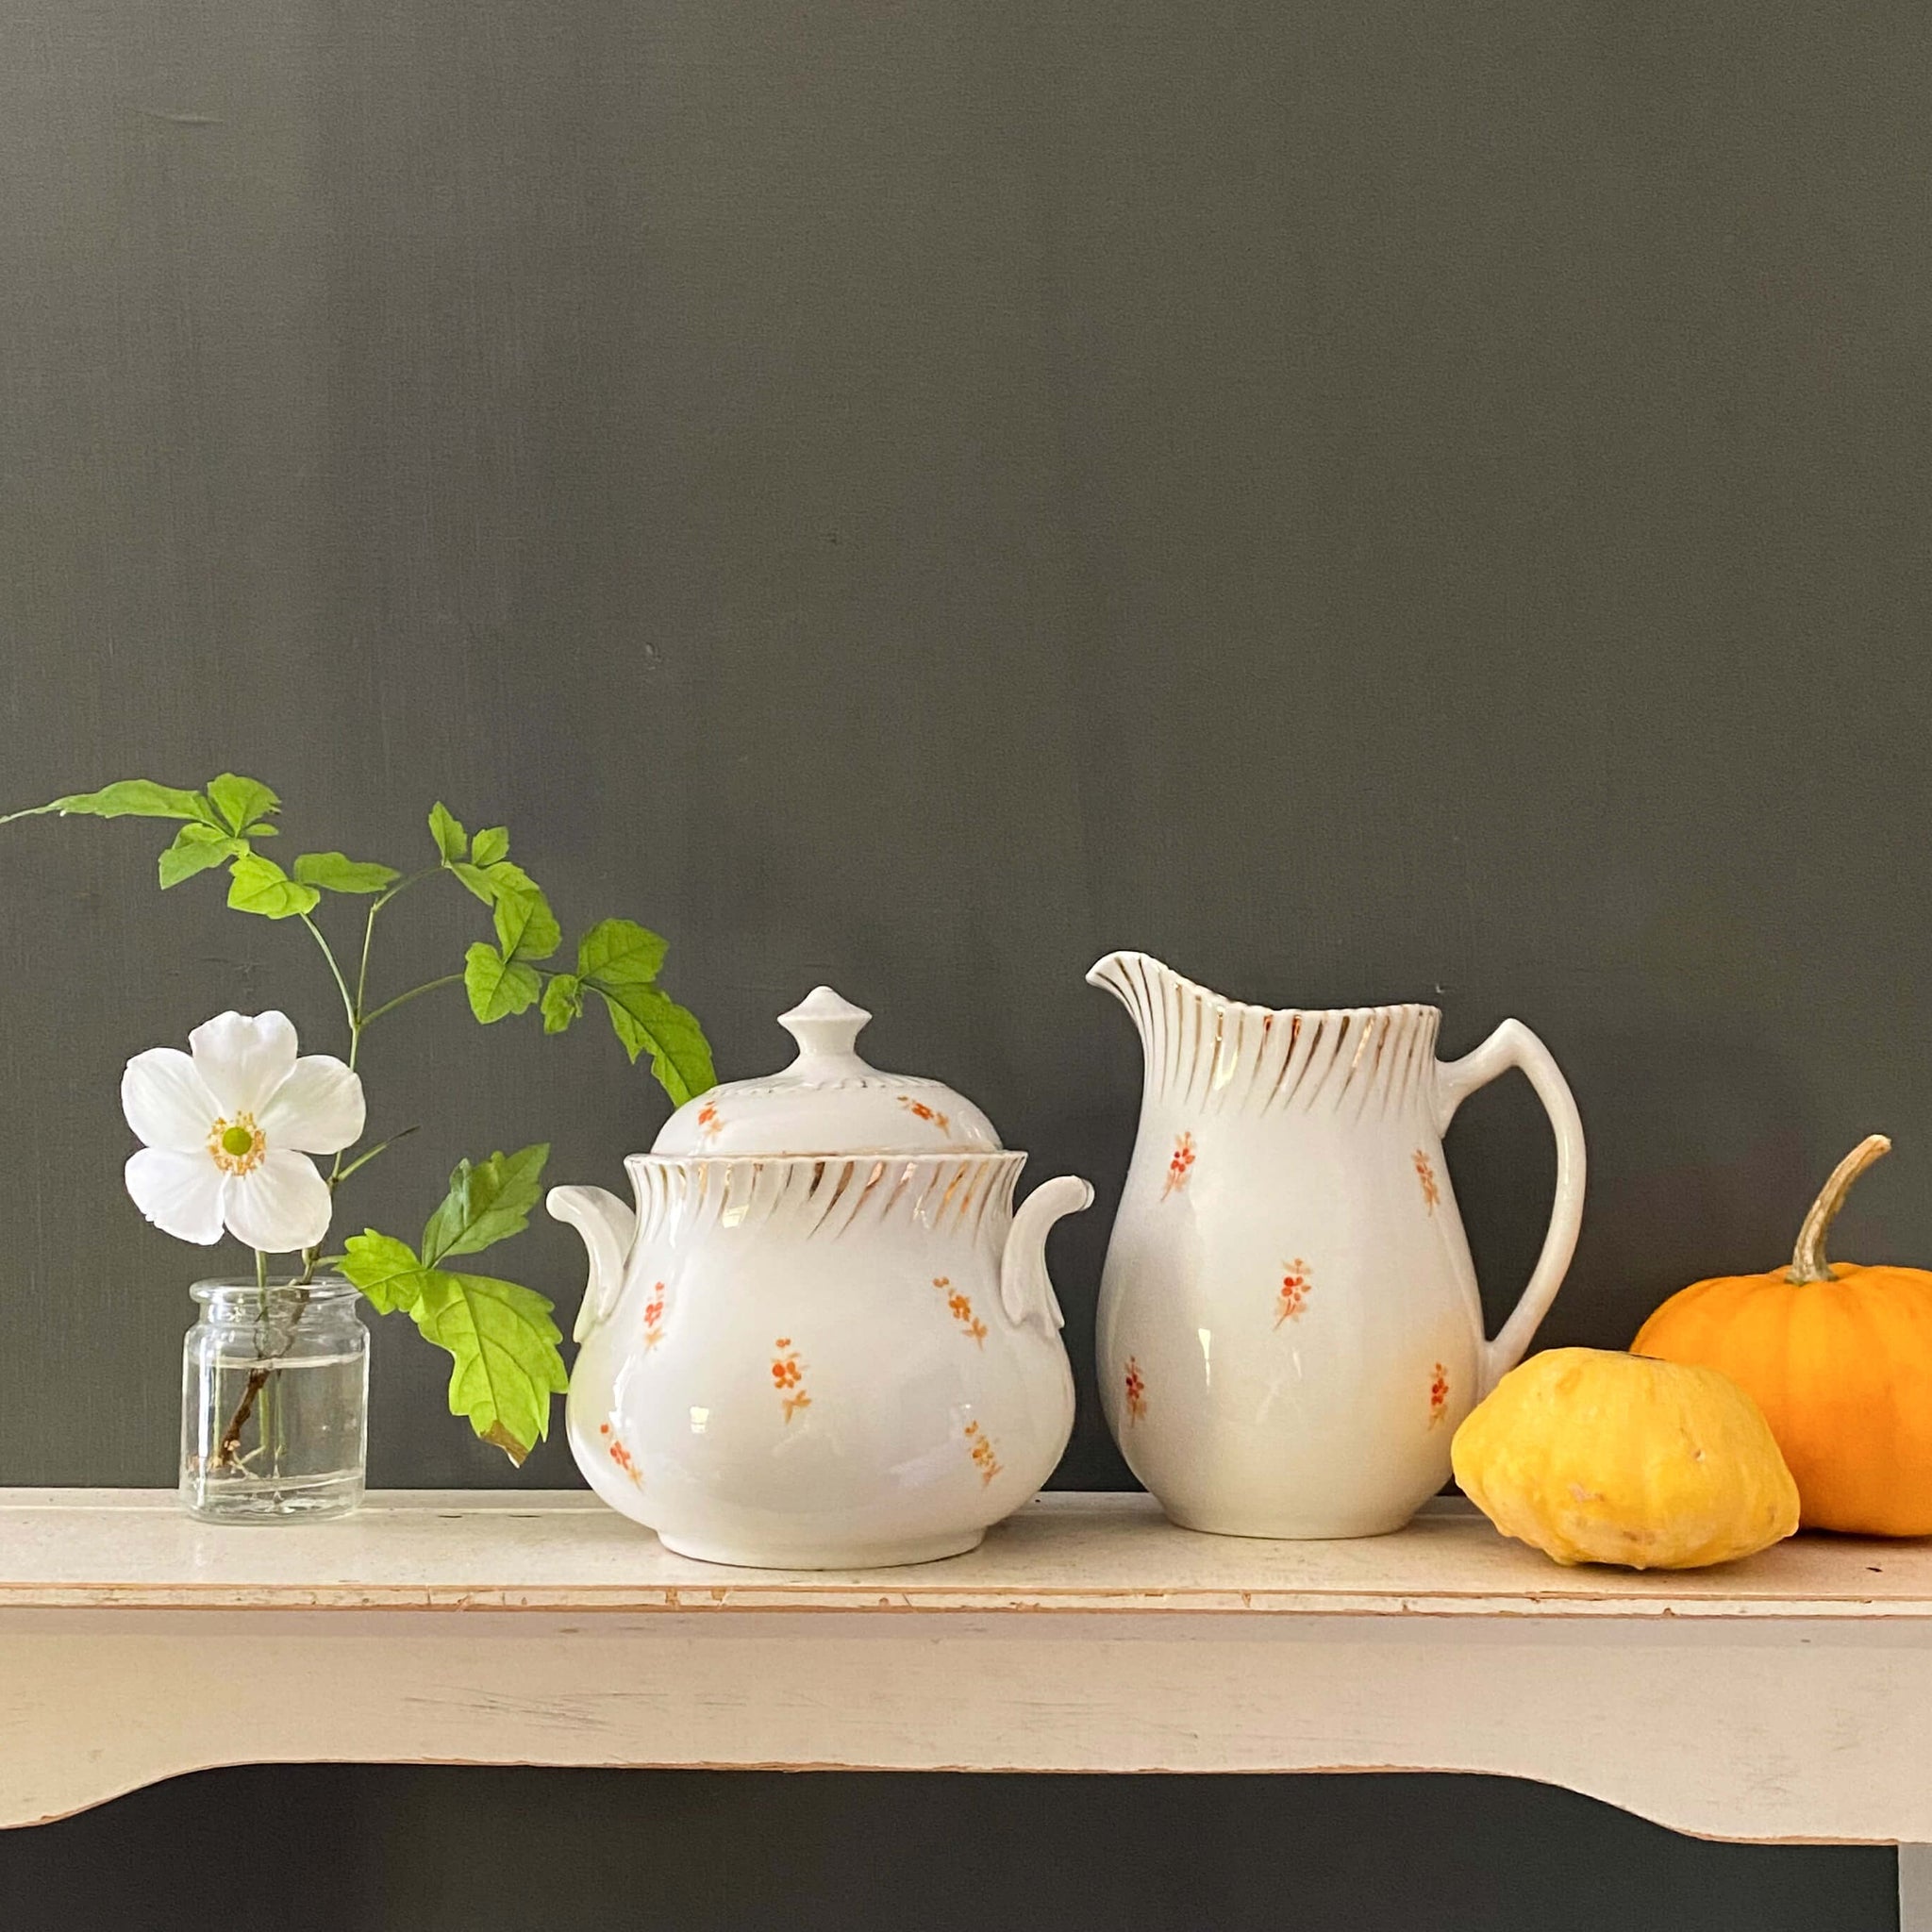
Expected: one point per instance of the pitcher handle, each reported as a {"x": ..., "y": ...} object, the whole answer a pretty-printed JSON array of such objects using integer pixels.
[{"x": 1513, "y": 1044}]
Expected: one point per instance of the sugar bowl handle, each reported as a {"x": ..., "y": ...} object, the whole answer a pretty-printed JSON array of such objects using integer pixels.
[
  {"x": 608, "y": 1227},
  {"x": 1026, "y": 1290}
]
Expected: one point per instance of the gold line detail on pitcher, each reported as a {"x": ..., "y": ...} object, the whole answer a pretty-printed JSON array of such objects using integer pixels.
[
  {"x": 960, "y": 1308},
  {"x": 787, "y": 1377},
  {"x": 1226, "y": 1057},
  {"x": 1291, "y": 1297},
  {"x": 1180, "y": 1165},
  {"x": 985, "y": 1459}
]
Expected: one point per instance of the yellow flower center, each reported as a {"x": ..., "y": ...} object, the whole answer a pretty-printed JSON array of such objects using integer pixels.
[{"x": 237, "y": 1145}]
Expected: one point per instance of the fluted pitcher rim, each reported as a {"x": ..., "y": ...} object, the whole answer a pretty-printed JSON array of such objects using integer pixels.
[{"x": 1123, "y": 956}]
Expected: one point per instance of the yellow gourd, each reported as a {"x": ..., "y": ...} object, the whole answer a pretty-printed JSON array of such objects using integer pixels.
[
  {"x": 1595, "y": 1456},
  {"x": 1839, "y": 1359}
]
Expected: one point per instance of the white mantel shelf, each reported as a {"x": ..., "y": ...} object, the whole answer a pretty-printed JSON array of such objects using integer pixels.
[{"x": 1788, "y": 1697}]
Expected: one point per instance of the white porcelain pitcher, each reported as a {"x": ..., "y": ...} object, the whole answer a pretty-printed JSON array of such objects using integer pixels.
[{"x": 1289, "y": 1329}]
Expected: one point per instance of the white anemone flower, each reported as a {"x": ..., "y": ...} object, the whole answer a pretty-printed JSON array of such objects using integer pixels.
[{"x": 230, "y": 1127}]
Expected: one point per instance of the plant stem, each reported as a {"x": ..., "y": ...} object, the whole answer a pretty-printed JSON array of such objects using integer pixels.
[
  {"x": 360, "y": 1015},
  {"x": 362, "y": 978},
  {"x": 227, "y": 1451},
  {"x": 404, "y": 998},
  {"x": 328, "y": 953},
  {"x": 363, "y": 1160},
  {"x": 266, "y": 1412},
  {"x": 354, "y": 1008},
  {"x": 358, "y": 1019}
]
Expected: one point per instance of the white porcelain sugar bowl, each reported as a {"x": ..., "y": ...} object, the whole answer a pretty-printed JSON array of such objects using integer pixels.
[{"x": 823, "y": 1339}]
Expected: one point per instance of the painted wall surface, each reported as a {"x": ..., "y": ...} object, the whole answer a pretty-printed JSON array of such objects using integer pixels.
[{"x": 1366, "y": 502}]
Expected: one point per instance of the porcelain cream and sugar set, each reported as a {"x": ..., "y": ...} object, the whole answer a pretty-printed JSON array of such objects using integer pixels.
[{"x": 825, "y": 1339}]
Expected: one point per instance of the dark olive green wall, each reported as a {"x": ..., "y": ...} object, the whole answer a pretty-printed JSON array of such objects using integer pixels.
[{"x": 1367, "y": 502}]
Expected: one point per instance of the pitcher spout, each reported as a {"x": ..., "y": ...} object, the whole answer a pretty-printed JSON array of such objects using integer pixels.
[
  {"x": 1151, "y": 993},
  {"x": 1128, "y": 977}
]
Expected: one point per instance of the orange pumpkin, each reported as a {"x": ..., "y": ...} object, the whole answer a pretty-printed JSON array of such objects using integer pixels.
[{"x": 1839, "y": 1359}]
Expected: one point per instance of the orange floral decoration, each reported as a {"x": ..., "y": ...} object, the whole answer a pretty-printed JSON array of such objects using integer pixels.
[
  {"x": 983, "y": 1459},
  {"x": 621, "y": 1455},
  {"x": 918, "y": 1110},
  {"x": 960, "y": 1308},
  {"x": 1180, "y": 1165},
  {"x": 1426, "y": 1173},
  {"x": 654, "y": 1316},
  {"x": 788, "y": 1377},
  {"x": 1137, "y": 1391},
  {"x": 1439, "y": 1395},
  {"x": 1293, "y": 1291}
]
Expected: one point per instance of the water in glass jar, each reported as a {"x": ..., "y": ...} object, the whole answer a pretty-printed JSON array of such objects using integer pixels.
[{"x": 273, "y": 1412}]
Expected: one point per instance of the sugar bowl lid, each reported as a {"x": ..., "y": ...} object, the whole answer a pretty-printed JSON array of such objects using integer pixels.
[{"x": 827, "y": 1101}]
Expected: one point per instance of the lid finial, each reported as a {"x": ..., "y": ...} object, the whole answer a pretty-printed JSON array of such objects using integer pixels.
[
  {"x": 825, "y": 1027},
  {"x": 827, "y": 1102}
]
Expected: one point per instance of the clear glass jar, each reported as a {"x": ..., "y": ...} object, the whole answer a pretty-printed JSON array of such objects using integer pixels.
[{"x": 275, "y": 1401}]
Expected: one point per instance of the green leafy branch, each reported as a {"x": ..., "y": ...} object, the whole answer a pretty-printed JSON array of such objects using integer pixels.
[
  {"x": 617, "y": 959},
  {"x": 505, "y": 1363}
]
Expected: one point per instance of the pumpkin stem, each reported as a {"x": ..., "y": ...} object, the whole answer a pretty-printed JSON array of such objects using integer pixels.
[{"x": 1808, "y": 1258}]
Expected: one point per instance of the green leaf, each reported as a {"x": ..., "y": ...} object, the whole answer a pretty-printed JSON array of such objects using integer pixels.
[
  {"x": 486, "y": 1202},
  {"x": 491, "y": 882},
  {"x": 496, "y": 987},
  {"x": 680, "y": 1056},
  {"x": 451, "y": 841},
  {"x": 619, "y": 952},
  {"x": 197, "y": 848},
  {"x": 525, "y": 927},
  {"x": 241, "y": 801},
  {"x": 138, "y": 798},
  {"x": 620, "y": 959},
  {"x": 335, "y": 874},
  {"x": 385, "y": 1269},
  {"x": 489, "y": 847},
  {"x": 477, "y": 880},
  {"x": 505, "y": 1364},
  {"x": 563, "y": 1000},
  {"x": 259, "y": 884}
]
